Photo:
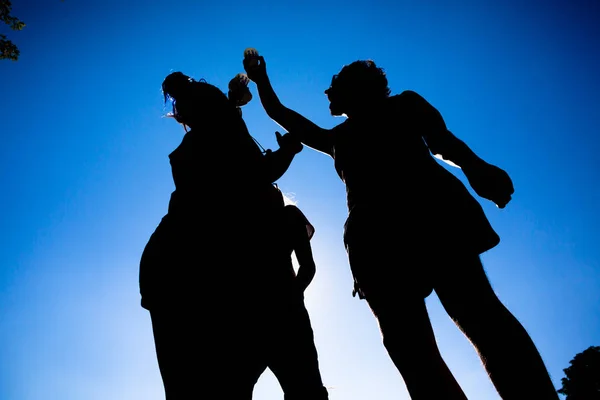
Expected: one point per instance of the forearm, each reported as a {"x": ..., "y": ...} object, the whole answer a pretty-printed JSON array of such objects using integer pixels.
[
  {"x": 308, "y": 132},
  {"x": 450, "y": 148},
  {"x": 270, "y": 102}
]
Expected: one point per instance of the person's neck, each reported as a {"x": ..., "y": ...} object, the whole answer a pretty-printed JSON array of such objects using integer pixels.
[
  {"x": 204, "y": 124},
  {"x": 364, "y": 112},
  {"x": 367, "y": 109}
]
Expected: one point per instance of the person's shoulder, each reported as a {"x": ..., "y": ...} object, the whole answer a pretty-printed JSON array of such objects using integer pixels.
[
  {"x": 407, "y": 96},
  {"x": 410, "y": 100},
  {"x": 340, "y": 128},
  {"x": 297, "y": 218}
]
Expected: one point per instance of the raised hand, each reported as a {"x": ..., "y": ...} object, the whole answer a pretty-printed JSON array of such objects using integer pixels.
[
  {"x": 239, "y": 92},
  {"x": 289, "y": 142},
  {"x": 254, "y": 64}
]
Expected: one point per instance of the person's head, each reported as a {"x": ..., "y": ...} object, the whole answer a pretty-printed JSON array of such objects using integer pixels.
[
  {"x": 196, "y": 102},
  {"x": 359, "y": 85}
]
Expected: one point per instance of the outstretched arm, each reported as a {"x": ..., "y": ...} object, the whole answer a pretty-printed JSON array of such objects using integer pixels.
[
  {"x": 441, "y": 142},
  {"x": 309, "y": 133},
  {"x": 488, "y": 181}
]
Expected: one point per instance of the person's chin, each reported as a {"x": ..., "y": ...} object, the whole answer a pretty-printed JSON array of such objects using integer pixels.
[{"x": 334, "y": 111}]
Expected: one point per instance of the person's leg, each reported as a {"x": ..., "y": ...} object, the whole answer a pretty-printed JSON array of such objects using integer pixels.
[
  {"x": 409, "y": 340},
  {"x": 198, "y": 358},
  {"x": 175, "y": 351},
  {"x": 293, "y": 357},
  {"x": 395, "y": 292},
  {"x": 509, "y": 355}
]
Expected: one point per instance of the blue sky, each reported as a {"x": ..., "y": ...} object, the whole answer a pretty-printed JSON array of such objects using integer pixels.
[{"x": 85, "y": 176}]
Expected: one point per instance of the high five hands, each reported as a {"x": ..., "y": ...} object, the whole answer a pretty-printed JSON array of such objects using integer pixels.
[{"x": 254, "y": 64}]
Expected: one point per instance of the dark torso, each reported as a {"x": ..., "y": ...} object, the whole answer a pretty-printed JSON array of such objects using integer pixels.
[
  {"x": 215, "y": 171},
  {"x": 382, "y": 154},
  {"x": 391, "y": 176},
  {"x": 220, "y": 215}
]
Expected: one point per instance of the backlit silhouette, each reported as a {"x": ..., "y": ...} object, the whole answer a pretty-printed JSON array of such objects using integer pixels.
[
  {"x": 210, "y": 274},
  {"x": 289, "y": 350},
  {"x": 428, "y": 237}
]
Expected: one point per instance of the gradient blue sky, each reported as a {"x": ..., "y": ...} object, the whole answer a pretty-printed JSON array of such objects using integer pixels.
[{"x": 85, "y": 176}]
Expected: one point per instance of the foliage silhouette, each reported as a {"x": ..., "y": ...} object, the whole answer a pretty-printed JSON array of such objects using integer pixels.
[
  {"x": 582, "y": 377},
  {"x": 8, "y": 50}
]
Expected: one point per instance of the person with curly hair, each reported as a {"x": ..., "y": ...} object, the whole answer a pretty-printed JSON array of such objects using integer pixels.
[
  {"x": 429, "y": 238},
  {"x": 210, "y": 274}
]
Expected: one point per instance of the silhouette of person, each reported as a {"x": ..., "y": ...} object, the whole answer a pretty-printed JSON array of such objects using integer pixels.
[
  {"x": 430, "y": 239},
  {"x": 290, "y": 351},
  {"x": 208, "y": 273}
]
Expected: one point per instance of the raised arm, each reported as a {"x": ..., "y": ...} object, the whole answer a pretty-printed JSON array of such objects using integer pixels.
[
  {"x": 309, "y": 133},
  {"x": 488, "y": 181}
]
